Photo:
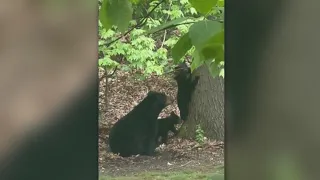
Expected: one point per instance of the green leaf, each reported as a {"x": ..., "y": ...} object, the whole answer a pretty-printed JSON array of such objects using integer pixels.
[
  {"x": 135, "y": 1},
  {"x": 117, "y": 13},
  {"x": 214, "y": 48},
  {"x": 217, "y": 38},
  {"x": 201, "y": 32},
  {"x": 181, "y": 47},
  {"x": 213, "y": 51},
  {"x": 125, "y": 68},
  {"x": 222, "y": 73},
  {"x": 214, "y": 68},
  {"x": 220, "y": 56},
  {"x": 103, "y": 17},
  {"x": 203, "y": 6},
  {"x": 193, "y": 11},
  {"x": 220, "y": 3},
  {"x": 197, "y": 61},
  {"x": 167, "y": 25}
]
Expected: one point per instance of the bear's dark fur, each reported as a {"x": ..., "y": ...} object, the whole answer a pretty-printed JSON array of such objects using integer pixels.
[
  {"x": 165, "y": 125},
  {"x": 186, "y": 86},
  {"x": 135, "y": 133}
]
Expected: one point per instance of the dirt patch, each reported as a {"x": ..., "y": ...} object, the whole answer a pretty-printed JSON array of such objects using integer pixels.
[{"x": 201, "y": 159}]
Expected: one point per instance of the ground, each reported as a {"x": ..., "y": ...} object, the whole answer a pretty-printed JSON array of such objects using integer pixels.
[{"x": 180, "y": 155}]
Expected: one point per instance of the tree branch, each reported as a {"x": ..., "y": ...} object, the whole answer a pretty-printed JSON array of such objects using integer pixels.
[
  {"x": 141, "y": 23},
  {"x": 175, "y": 25},
  {"x": 115, "y": 69},
  {"x": 165, "y": 32},
  {"x": 105, "y": 75}
]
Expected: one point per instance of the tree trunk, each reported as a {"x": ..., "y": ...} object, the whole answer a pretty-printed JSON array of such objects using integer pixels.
[{"x": 206, "y": 107}]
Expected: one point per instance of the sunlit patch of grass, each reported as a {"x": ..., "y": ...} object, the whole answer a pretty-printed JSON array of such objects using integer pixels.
[{"x": 179, "y": 175}]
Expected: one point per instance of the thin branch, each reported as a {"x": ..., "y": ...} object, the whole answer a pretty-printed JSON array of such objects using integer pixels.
[
  {"x": 175, "y": 25},
  {"x": 141, "y": 23},
  {"x": 126, "y": 33},
  {"x": 105, "y": 75},
  {"x": 149, "y": 14},
  {"x": 165, "y": 32},
  {"x": 110, "y": 75},
  {"x": 164, "y": 39}
]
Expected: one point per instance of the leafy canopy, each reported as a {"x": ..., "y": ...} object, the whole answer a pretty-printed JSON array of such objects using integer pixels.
[{"x": 151, "y": 36}]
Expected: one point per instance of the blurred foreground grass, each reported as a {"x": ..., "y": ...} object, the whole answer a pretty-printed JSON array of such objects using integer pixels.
[{"x": 217, "y": 174}]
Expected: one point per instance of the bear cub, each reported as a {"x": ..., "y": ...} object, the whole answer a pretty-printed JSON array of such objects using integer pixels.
[
  {"x": 165, "y": 125},
  {"x": 186, "y": 86}
]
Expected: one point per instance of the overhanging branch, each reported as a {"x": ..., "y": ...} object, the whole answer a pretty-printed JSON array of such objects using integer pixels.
[{"x": 141, "y": 23}]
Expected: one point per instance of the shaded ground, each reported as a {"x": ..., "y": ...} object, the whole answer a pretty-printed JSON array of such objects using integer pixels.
[
  {"x": 123, "y": 94},
  {"x": 196, "y": 158}
]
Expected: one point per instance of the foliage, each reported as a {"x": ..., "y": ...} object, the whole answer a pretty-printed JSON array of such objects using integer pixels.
[
  {"x": 138, "y": 50},
  {"x": 161, "y": 34},
  {"x": 199, "y": 134},
  {"x": 118, "y": 12}
]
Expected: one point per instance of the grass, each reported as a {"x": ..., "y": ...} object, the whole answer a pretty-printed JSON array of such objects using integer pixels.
[{"x": 179, "y": 175}]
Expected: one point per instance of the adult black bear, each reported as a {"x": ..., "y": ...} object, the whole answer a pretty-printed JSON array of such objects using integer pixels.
[
  {"x": 165, "y": 125},
  {"x": 135, "y": 133},
  {"x": 186, "y": 86}
]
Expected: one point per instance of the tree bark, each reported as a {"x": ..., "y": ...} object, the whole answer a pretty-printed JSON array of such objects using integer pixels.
[{"x": 206, "y": 107}]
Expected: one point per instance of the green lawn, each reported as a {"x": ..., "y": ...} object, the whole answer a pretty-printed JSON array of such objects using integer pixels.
[{"x": 182, "y": 175}]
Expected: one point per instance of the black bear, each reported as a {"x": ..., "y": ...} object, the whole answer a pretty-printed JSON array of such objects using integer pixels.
[
  {"x": 186, "y": 86},
  {"x": 135, "y": 133},
  {"x": 165, "y": 125}
]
